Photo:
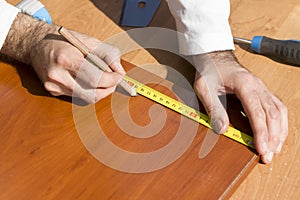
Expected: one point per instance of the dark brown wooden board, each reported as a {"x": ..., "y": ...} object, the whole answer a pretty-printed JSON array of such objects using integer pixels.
[{"x": 43, "y": 157}]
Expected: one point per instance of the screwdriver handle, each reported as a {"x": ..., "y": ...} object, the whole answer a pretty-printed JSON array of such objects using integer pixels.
[{"x": 286, "y": 50}]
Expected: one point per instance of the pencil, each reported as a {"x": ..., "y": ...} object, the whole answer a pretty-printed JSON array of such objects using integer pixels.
[{"x": 93, "y": 58}]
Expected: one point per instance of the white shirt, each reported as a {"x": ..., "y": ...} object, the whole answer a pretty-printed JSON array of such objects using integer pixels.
[
  {"x": 7, "y": 15},
  {"x": 203, "y": 24}
]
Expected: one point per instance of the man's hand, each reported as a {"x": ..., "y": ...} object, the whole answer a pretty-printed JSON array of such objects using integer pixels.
[
  {"x": 60, "y": 66},
  {"x": 219, "y": 73},
  {"x": 64, "y": 71}
]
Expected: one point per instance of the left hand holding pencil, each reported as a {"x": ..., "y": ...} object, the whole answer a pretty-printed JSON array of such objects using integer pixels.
[
  {"x": 64, "y": 70},
  {"x": 61, "y": 66}
]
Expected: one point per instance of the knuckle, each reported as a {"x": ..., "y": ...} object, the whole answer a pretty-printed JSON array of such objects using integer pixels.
[
  {"x": 259, "y": 113},
  {"x": 108, "y": 52},
  {"x": 275, "y": 139},
  {"x": 47, "y": 86},
  {"x": 274, "y": 113},
  {"x": 93, "y": 82},
  {"x": 260, "y": 149},
  {"x": 98, "y": 96},
  {"x": 52, "y": 75},
  {"x": 52, "y": 88},
  {"x": 244, "y": 77},
  {"x": 115, "y": 51},
  {"x": 252, "y": 100},
  {"x": 256, "y": 80},
  {"x": 101, "y": 94},
  {"x": 200, "y": 85},
  {"x": 55, "y": 76},
  {"x": 109, "y": 80},
  {"x": 262, "y": 146},
  {"x": 261, "y": 134},
  {"x": 247, "y": 82},
  {"x": 212, "y": 110},
  {"x": 282, "y": 108},
  {"x": 60, "y": 58}
]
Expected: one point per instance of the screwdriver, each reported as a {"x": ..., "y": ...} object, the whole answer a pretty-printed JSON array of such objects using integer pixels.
[{"x": 287, "y": 51}]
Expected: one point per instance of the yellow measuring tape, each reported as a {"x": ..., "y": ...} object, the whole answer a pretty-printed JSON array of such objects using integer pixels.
[{"x": 186, "y": 111}]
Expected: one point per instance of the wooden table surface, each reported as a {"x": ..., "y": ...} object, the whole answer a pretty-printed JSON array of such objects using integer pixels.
[
  {"x": 278, "y": 180},
  {"x": 278, "y": 19}
]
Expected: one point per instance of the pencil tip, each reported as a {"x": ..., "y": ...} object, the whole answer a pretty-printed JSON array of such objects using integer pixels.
[{"x": 133, "y": 93}]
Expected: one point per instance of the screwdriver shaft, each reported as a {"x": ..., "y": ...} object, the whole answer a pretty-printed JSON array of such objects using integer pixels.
[{"x": 237, "y": 39}]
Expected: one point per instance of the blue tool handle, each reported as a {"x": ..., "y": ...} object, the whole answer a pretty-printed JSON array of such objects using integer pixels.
[
  {"x": 287, "y": 51},
  {"x": 43, "y": 15},
  {"x": 35, "y": 9}
]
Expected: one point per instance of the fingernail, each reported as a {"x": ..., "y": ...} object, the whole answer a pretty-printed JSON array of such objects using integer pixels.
[
  {"x": 217, "y": 126},
  {"x": 264, "y": 147},
  {"x": 121, "y": 67},
  {"x": 269, "y": 156},
  {"x": 279, "y": 147}
]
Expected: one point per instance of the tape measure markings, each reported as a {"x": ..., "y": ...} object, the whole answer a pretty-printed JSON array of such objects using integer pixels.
[{"x": 186, "y": 111}]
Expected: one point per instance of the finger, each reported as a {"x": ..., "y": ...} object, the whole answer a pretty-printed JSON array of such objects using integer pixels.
[
  {"x": 268, "y": 157},
  {"x": 111, "y": 55},
  {"x": 63, "y": 83},
  {"x": 109, "y": 79},
  {"x": 68, "y": 57},
  {"x": 54, "y": 88},
  {"x": 91, "y": 95},
  {"x": 89, "y": 76},
  {"x": 253, "y": 108},
  {"x": 106, "y": 85},
  {"x": 59, "y": 82},
  {"x": 117, "y": 67},
  {"x": 216, "y": 111},
  {"x": 283, "y": 123},
  {"x": 273, "y": 120},
  {"x": 102, "y": 93}
]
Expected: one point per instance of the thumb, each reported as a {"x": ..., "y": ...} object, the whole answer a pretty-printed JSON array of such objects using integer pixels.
[{"x": 208, "y": 95}]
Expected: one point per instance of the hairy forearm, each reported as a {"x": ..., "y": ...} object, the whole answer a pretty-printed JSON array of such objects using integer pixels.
[{"x": 24, "y": 34}]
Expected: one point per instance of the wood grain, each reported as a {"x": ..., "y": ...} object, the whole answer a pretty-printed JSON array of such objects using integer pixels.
[
  {"x": 279, "y": 180},
  {"x": 278, "y": 19},
  {"x": 273, "y": 18},
  {"x": 42, "y": 154}
]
